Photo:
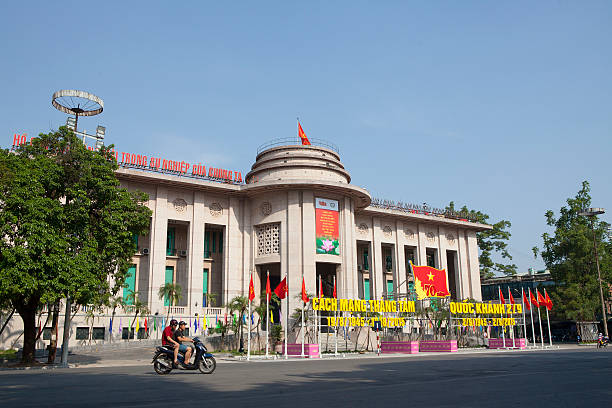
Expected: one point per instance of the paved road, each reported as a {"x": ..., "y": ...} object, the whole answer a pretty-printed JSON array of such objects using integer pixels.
[{"x": 563, "y": 378}]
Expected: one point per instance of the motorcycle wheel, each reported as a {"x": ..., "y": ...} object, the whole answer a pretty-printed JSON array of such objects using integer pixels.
[
  {"x": 207, "y": 365},
  {"x": 159, "y": 368}
]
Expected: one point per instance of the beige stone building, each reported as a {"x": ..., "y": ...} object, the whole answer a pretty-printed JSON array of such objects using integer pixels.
[{"x": 209, "y": 236}]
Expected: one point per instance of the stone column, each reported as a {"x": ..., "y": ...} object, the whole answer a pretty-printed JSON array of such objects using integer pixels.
[
  {"x": 159, "y": 231},
  {"x": 472, "y": 244},
  {"x": 400, "y": 284},
  {"x": 232, "y": 275},
  {"x": 196, "y": 254},
  {"x": 463, "y": 262},
  {"x": 377, "y": 260}
]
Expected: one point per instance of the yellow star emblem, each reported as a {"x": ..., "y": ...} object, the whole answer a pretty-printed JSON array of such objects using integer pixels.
[{"x": 431, "y": 276}]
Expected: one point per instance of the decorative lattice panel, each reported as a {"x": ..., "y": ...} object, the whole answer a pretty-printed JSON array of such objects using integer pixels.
[{"x": 268, "y": 239}]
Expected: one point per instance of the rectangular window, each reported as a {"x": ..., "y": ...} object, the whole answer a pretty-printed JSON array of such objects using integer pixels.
[
  {"x": 82, "y": 333},
  {"x": 135, "y": 240},
  {"x": 170, "y": 250},
  {"x": 220, "y": 242},
  {"x": 130, "y": 285},
  {"x": 125, "y": 332},
  {"x": 366, "y": 289},
  {"x": 142, "y": 334},
  {"x": 205, "y": 287},
  {"x": 432, "y": 258},
  {"x": 98, "y": 333},
  {"x": 169, "y": 278},
  {"x": 46, "y": 333},
  {"x": 207, "y": 244},
  {"x": 214, "y": 241},
  {"x": 366, "y": 263}
]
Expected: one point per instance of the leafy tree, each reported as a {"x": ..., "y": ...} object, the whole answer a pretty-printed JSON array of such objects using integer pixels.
[
  {"x": 172, "y": 292},
  {"x": 239, "y": 305},
  {"x": 67, "y": 226},
  {"x": 568, "y": 253},
  {"x": 490, "y": 241}
]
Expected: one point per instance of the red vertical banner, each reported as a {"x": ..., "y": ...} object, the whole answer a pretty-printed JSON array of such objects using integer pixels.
[{"x": 327, "y": 221}]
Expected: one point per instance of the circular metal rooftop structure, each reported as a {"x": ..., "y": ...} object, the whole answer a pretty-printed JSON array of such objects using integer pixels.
[{"x": 78, "y": 103}]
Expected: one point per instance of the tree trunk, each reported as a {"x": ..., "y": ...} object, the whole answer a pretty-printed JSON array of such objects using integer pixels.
[
  {"x": 53, "y": 342},
  {"x": 27, "y": 312}
]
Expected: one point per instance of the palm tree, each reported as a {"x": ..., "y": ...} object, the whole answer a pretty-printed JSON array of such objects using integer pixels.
[
  {"x": 172, "y": 292},
  {"x": 239, "y": 304}
]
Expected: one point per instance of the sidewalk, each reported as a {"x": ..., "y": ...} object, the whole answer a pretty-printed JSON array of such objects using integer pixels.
[{"x": 142, "y": 356}]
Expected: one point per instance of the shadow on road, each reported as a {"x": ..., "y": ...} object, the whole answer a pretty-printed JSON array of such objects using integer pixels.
[{"x": 559, "y": 379}]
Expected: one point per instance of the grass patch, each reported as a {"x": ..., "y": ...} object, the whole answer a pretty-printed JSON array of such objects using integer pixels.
[{"x": 9, "y": 354}]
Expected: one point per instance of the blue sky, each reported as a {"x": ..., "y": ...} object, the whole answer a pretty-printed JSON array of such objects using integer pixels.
[{"x": 504, "y": 107}]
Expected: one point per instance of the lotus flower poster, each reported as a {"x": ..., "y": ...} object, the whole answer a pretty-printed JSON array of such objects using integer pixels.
[{"x": 327, "y": 226}]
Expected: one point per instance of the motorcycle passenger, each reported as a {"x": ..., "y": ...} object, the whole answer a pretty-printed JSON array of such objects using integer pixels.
[
  {"x": 168, "y": 340},
  {"x": 179, "y": 336}
]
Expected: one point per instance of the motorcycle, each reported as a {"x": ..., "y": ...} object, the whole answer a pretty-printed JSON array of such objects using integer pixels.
[
  {"x": 603, "y": 342},
  {"x": 203, "y": 361}
]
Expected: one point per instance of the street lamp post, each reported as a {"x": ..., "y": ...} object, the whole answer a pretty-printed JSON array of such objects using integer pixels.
[{"x": 592, "y": 213}]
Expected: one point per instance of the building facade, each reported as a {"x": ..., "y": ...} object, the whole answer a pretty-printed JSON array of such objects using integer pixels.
[{"x": 210, "y": 236}]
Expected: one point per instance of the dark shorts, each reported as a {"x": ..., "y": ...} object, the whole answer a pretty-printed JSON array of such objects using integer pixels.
[{"x": 183, "y": 348}]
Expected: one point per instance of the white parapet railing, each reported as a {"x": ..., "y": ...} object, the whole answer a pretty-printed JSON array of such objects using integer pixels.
[
  {"x": 176, "y": 310},
  {"x": 212, "y": 311}
]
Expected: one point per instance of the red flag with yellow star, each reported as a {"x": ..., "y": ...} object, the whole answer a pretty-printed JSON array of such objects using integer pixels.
[
  {"x": 302, "y": 135},
  {"x": 429, "y": 282},
  {"x": 251, "y": 290}
]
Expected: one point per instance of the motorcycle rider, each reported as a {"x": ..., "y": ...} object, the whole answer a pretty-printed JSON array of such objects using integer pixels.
[
  {"x": 179, "y": 336},
  {"x": 168, "y": 340}
]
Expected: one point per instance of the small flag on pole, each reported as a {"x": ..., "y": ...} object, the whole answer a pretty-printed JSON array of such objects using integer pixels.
[
  {"x": 251, "y": 290},
  {"x": 526, "y": 301},
  {"x": 548, "y": 301},
  {"x": 541, "y": 300},
  {"x": 271, "y": 317},
  {"x": 281, "y": 289},
  {"x": 304, "y": 294},
  {"x": 302, "y": 135},
  {"x": 110, "y": 325},
  {"x": 533, "y": 299},
  {"x": 501, "y": 297}
]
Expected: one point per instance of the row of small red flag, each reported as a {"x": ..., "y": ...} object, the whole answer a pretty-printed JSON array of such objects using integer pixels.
[
  {"x": 536, "y": 301},
  {"x": 282, "y": 289}
]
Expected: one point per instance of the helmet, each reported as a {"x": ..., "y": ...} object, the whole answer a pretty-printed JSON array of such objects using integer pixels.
[
  {"x": 182, "y": 322},
  {"x": 173, "y": 322}
]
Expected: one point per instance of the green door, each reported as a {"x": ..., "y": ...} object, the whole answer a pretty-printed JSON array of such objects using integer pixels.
[
  {"x": 169, "y": 279},
  {"x": 130, "y": 285},
  {"x": 205, "y": 287},
  {"x": 366, "y": 289},
  {"x": 390, "y": 289}
]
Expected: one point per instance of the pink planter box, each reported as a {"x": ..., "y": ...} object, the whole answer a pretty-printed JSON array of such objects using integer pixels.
[
  {"x": 499, "y": 343},
  {"x": 404, "y": 347},
  {"x": 310, "y": 350},
  {"x": 438, "y": 345}
]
